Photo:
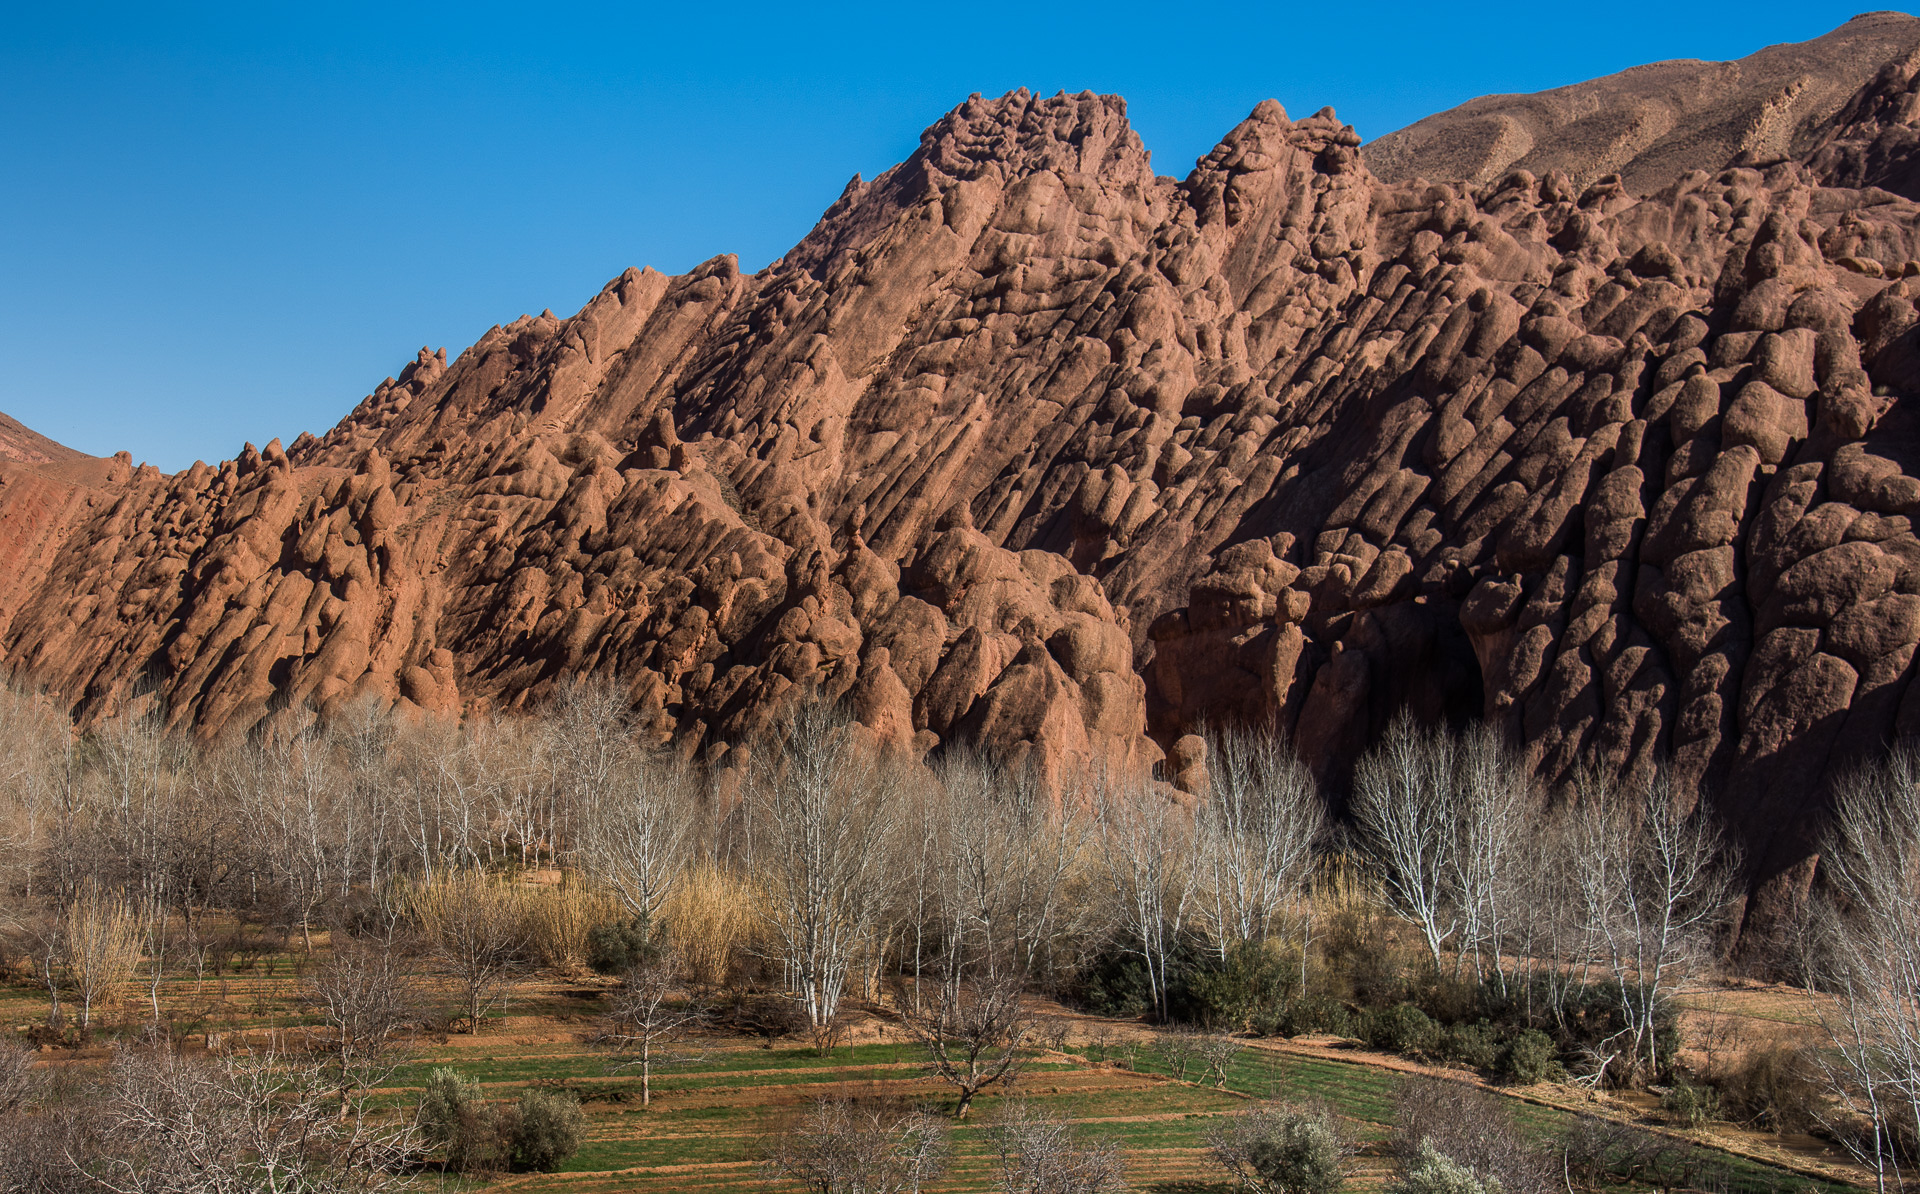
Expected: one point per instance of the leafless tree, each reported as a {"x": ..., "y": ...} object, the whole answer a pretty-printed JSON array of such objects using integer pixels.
[
  {"x": 1037, "y": 1153},
  {"x": 20, "y": 1080},
  {"x": 1871, "y": 957},
  {"x": 1257, "y": 829},
  {"x": 1493, "y": 814},
  {"x": 841, "y": 1147},
  {"x": 1444, "y": 817},
  {"x": 647, "y": 1028},
  {"x": 1473, "y": 1128},
  {"x": 1402, "y": 803},
  {"x": 34, "y": 740},
  {"x": 240, "y": 1125},
  {"x": 1218, "y": 1052},
  {"x": 635, "y": 835},
  {"x": 1146, "y": 845},
  {"x": 973, "y": 1032},
  {"x": 1006, "y": 852},
  {"x": 827, "y": 814},
  {"x": 475, "y": 926},
  {"x": 1180, "y": 1048},
  {"x": 1653, "y": 886},
  {"x": 368, "y": 999}
]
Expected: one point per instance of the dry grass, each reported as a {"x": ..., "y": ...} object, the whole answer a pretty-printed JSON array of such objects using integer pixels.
[{"x": 711, "y": 918}]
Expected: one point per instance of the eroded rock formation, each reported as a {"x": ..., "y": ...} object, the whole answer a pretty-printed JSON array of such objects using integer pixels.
[{"x": 1028, "y": 445}]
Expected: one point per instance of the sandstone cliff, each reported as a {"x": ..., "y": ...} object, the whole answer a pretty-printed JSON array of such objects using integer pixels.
[{"x": 1026, "y": 444}]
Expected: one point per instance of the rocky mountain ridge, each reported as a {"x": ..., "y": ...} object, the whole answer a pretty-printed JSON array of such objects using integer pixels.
[{"x": 1025, "y": 445}]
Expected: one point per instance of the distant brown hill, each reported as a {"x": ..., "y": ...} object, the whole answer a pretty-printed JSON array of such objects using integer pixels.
[
  {"x": 1024, "y": 445},
  {"x": 1653, "y": 123}
]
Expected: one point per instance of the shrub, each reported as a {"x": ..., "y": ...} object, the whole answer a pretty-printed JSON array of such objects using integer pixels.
[
  {"x": 1532, "y": 1057},
  {"x": 1433, "y": 1172},
  {"x": 617, "y": 946},
  {"x": 454, "y": 1116},
  {"x": 1306, "y": 1014},
  {"x": 1772, "y": 1089},
  {"x": 1402, "y": 1028},
  {"x": 1689, "y": 1105},
  {"x": 1472, "y": 1128},
  {"x": 1229, "y": 995},
  {"x": 1282, "y": 1148},
  {"x": 547, "y": 1128},
  {"x": 1476, "y": 1045}
]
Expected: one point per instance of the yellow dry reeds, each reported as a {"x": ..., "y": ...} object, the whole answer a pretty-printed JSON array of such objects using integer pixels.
[
  {"x": 560, "y": 917},
  {"x": 711, "y": 916},
  {"x": 101, "y": 947}
]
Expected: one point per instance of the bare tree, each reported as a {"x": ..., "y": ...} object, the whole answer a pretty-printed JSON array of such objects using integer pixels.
[
  {"x": 1179, "y": 1048},
  {"x": 175, "y": 1125},
  {"x": 476, "y": 927},
  {"x": 973, "y": 1032},
  {"x": 368, "y": 1000},
  {"x": 1653, "y": 885},
  {"x": 1871, "y": 956},
  {"x": 646, "y": 1028},
  {"x": 1218, "y": 1052},
  {"x": 841, "y": 1147},
  {"x": 827, "y": 812},
  {"x": 1491, "y": 803},
  {"x": 1146, "y": 846},
  {"x": 1402, "y": 802},
  {"x": 1444, "y": 818},
  {"x": 1005, "y": 853},
  {"x": 1037, "y": 1153},
  {"x": 635, "y": 835},
  {"x": 1257, "y": 828}
]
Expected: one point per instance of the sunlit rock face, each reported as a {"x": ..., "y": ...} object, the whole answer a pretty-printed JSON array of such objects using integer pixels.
[{"x": 1028, "y": 446}]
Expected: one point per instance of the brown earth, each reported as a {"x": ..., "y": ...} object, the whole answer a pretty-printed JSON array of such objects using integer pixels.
[{"x": 1024, "y": 444}]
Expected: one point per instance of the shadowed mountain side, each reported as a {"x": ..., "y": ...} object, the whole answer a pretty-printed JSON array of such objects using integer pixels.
[{"x": 1027, "y": 446}]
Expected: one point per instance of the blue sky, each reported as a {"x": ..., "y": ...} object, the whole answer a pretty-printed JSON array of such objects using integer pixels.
[{"x": 221, "y": 224}]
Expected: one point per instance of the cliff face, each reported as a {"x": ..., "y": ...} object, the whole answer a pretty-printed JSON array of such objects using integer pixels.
[{"x": 1026, "y": 445}]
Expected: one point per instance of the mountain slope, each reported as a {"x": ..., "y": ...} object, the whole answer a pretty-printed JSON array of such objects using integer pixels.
[
  {"x": 1653, "y": 123},
  {"x": 1025, "y": 445}
]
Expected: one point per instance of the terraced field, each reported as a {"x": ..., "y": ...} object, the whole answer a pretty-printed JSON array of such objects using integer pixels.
[{"x": 703, "y": 1129}]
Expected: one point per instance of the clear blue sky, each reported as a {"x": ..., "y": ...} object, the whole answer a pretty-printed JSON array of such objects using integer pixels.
[{"x": 221, "y": 224}]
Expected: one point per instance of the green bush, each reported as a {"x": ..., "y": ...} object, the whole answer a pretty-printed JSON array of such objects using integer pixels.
[
  {"x": 1532, "y": 1057},
  {"x": 1476, "y": 1045},
  {"x": 547, "y": 1128},
  {"x": 453, "y": 1115},
  {"x": 618, "y": 946},
  {"x": 1297, "y": 1017},
  {"x": 1689, "y": 1105},
  {"x": 1403, "y": 1029},
  {"x": 1280, "y": 1148},
  {"x": 1433, "y": 1172},
  {"x": 1230, "y": 995}
]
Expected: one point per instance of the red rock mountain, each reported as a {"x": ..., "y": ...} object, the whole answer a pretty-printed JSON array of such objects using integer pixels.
[{"x": 1028, "y": 445}]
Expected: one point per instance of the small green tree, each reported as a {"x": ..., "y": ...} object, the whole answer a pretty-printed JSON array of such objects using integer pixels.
[
  {"x": 547, "y": 1128},
  {"x": 1282, "y": 1148},
  {"x": 455, "y": 1116},
  {"x": 1532, "y": 1057},
  {"x": 1434, "y": 1172}
]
